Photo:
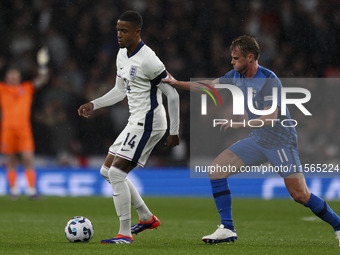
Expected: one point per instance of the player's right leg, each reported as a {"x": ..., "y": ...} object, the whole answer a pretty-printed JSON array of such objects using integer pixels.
[
  {"x": 222, "y": 196},
  {"x": 12, "y": 176},
  {"x": 146, "y": 219},
  {"x": 239, "y": 154},
  {"x": 9, "y": 148},
  {"x": 133, "y": 146},
  {"x": 121, "y": 199}
]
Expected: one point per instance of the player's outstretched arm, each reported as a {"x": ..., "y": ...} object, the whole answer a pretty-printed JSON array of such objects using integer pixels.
[{"x": 189, "y": 85}]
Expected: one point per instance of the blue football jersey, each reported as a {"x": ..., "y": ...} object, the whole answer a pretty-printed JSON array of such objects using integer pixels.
[{"x": 262, "y": 84}]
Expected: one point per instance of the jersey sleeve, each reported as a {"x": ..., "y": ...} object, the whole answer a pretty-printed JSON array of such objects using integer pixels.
[
  {"x": 118, "y": 72},
  {"x": 29, "y": 85},
  {"x": 112, "y": 97},
  {"x": 153, "y": 67},
  {"x": 173, "y": 106}
]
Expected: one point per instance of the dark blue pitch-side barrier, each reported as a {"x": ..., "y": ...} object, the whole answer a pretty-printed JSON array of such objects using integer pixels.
[{"x": 169, "y": 182}]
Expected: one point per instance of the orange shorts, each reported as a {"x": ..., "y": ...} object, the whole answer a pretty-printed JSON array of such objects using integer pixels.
[{"x": 16, "y": 141}]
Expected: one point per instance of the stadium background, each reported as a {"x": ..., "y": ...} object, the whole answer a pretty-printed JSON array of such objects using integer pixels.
[{"x": 298, "y": 39}]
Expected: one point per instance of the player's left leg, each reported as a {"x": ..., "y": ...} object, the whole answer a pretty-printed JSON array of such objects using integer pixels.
[
  {"x": 296, "y": 184},
  {"x": 297, "y": 188},
  {"x": 25, "y": 145}
]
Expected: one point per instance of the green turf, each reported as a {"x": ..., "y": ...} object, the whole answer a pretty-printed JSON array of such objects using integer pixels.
[{"x": 263, "y": 227}]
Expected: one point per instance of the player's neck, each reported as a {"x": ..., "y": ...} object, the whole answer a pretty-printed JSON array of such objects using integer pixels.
[
  {"x": 252, "y": 70},
  {"x": 132, "y": 48}
]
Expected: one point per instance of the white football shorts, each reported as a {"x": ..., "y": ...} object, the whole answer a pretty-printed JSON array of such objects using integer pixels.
[{"x": 135, "y": 144}]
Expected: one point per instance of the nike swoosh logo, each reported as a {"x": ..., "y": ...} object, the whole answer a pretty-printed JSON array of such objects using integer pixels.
[{"x": 124, "y": 150}]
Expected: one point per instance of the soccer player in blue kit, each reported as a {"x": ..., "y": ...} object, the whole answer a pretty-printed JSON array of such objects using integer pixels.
[{"x": 272, "y": 142}]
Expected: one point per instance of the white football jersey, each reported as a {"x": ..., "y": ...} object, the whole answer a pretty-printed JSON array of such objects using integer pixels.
[{"x": 141, "y": 72}]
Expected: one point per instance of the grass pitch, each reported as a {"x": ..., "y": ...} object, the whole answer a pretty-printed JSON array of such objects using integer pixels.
[{"x": 263, "y": 227}]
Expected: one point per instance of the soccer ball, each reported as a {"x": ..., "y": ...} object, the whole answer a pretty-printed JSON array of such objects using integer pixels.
[{"x": 79, "y": 229}]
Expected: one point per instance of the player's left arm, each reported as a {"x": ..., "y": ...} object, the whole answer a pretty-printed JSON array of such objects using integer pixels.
[
  {"x": 43, "y": 75},
  {"x": 155, "y": 70},
  {"x": 173, "y": 109}
]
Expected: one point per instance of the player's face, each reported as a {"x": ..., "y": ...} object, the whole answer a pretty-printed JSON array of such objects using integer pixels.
[
  {"x": 128, "y": 35},
  {"x": 13, "y": 77},
  {"x": 239, "y": 61}
]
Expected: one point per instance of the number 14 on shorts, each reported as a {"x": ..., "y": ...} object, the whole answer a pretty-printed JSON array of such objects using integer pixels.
[{"x": 130, "y": 142}]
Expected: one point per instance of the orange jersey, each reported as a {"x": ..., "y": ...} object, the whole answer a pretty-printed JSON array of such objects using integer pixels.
[{"x": 15, "y": 103}]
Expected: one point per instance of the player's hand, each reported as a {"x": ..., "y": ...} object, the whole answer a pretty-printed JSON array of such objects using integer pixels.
[
  {"x": 172, "y": 141},
  {"x": 224, "y": 127},
  {"x": 43, "y": 57},
  {"x": 170, "y": 80},
  {"x": 85, "y": 110}
]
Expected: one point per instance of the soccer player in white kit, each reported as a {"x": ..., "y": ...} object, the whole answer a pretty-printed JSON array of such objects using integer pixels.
[{"x": 139, "y": 78}]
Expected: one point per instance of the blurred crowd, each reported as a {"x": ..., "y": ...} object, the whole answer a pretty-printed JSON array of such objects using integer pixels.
[{"x": 298, "y": 38}]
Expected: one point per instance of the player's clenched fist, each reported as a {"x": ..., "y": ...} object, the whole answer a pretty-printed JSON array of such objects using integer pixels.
[
  {"x": 85, "y": 110},
  {"x": 172, "y": 141}
]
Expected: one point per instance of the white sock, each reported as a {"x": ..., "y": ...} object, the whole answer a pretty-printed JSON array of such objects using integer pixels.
[
  {"x": 138, "y": 203},
  {"x": 136, "y": 200},
  {"x": 14, "y": 191},
  {"x": 31, "y": 191},
  {"x": 121, "y": 199},
  {"x": 104, "y": 171}
]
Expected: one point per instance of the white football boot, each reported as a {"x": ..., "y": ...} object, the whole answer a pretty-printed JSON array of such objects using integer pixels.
[
  {"x": 220, "y": 235},
  {"x": 337, "y": 234}
]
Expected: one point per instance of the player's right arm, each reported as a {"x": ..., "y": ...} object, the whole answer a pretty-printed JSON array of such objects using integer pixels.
[
  {"x": 189, "y": 85},
  {"x": 112, "y": 97}
]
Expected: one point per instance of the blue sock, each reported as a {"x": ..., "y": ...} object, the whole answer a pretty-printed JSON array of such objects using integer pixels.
[
  {"x": 222, "y": 196},
  {"x": 321, "y": 209}
]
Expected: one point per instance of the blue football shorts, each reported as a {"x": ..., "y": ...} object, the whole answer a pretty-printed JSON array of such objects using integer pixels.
[{"x": 285, "y": 159}]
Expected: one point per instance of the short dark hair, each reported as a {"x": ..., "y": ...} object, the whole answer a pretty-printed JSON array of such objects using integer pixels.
[
  {"x": 133, "y": 17},
  {"x": 12, "y": 68},
  {"x": 247, "y": 44}
]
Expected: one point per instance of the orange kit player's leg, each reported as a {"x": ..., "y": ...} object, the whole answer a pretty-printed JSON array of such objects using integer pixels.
[
  {"x": 8, "y": 148},
  {"x": 26, "y": 147}
]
